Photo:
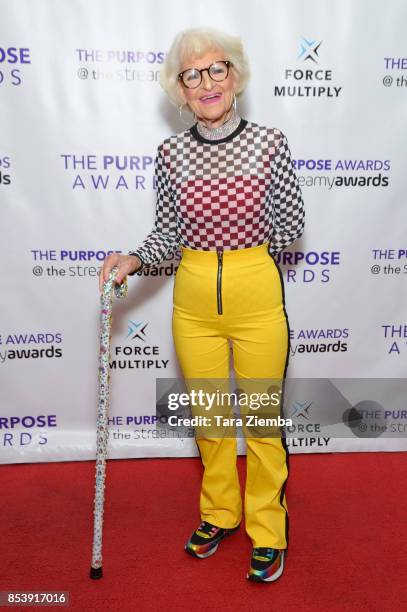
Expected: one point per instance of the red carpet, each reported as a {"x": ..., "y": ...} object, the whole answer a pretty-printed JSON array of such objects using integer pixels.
[{"x": 348, "y": 537}]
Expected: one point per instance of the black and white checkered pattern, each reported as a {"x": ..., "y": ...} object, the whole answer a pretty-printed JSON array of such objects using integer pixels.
[
  {"x": 285, "y": 201},
  {"x": 224, "y": 195},
  {"x": 164, "y": 238}
]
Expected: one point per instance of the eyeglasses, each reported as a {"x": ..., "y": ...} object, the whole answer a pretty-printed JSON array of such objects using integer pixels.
[{"x": 192, "y": 78}]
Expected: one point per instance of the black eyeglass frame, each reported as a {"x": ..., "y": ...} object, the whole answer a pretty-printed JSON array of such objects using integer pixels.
[{"x": 228, "y": 63}]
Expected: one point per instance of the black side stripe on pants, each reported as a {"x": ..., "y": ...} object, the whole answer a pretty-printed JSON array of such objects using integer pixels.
[{"x": 283, "y": 440}]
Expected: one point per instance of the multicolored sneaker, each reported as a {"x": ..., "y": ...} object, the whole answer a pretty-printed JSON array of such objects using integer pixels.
[
  {"x": 267, "y": 564},
  {"x": 205, "y": 540}
]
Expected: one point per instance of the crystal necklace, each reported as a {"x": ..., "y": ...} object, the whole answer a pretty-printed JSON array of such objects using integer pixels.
[{"x": 223, "y": 131}]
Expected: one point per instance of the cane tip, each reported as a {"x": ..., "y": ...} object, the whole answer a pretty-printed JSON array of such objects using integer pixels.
[{"x": 96, "y": 573}]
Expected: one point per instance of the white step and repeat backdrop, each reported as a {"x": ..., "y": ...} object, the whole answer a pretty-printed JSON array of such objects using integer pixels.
[{"x": 82, "y": 114}]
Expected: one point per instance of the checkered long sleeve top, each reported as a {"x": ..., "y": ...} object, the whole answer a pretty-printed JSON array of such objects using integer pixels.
[{"x": 232, "y": 193}]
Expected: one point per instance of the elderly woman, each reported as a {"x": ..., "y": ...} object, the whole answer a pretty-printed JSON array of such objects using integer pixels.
[{"x": 228, "y": 197}]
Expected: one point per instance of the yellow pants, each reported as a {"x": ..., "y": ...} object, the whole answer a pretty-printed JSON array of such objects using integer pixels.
[{"x": 235, "y": 299}]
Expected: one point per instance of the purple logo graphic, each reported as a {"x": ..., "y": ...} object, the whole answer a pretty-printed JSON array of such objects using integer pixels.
[
  {"x": 9, "y": 58},
  {"x": 30, "y": 345},
  {"x": 109, "y": 172},
  {"x": 5, "y": 163}
]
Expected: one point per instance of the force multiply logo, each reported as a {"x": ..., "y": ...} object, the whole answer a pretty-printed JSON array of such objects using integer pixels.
[
  {"x": 12, "y": 63},
  {"x": 303, "y": 431},
  {"x": 5, "y": 165},
  {"x": 308, "y": 266},
  {"x": 309, "y": 78},
  {"x": 119, "y": 65},
  {"x": 333, "y": 173},
  {"x": 137, "y": 353},
  {"x": 395, "y": 338},
  {"x": 319, "y": 340},
  {"x": 30, "y": 345},
  {"x": 109, "y": 172}
]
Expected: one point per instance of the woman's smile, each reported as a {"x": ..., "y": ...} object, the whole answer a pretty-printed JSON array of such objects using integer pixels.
[{"x": 211, "y": 98}]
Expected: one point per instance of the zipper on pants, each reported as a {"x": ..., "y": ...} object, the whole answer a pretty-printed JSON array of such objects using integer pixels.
[{"x": 219, "y": 281}]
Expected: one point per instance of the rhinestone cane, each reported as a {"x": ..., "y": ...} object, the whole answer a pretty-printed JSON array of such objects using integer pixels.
[{"x": 106, "y": 301}]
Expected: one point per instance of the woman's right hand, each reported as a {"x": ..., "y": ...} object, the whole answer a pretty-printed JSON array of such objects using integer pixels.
[{"x": 126, "y": 264}]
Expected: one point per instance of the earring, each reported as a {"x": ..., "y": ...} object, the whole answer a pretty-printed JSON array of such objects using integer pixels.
[
  {"x": 234, "y": 103},
  {"x": 180, "y": 113}
]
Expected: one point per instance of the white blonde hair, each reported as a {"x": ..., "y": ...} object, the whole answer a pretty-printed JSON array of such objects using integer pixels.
[{"x": 195, "y": 42}]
